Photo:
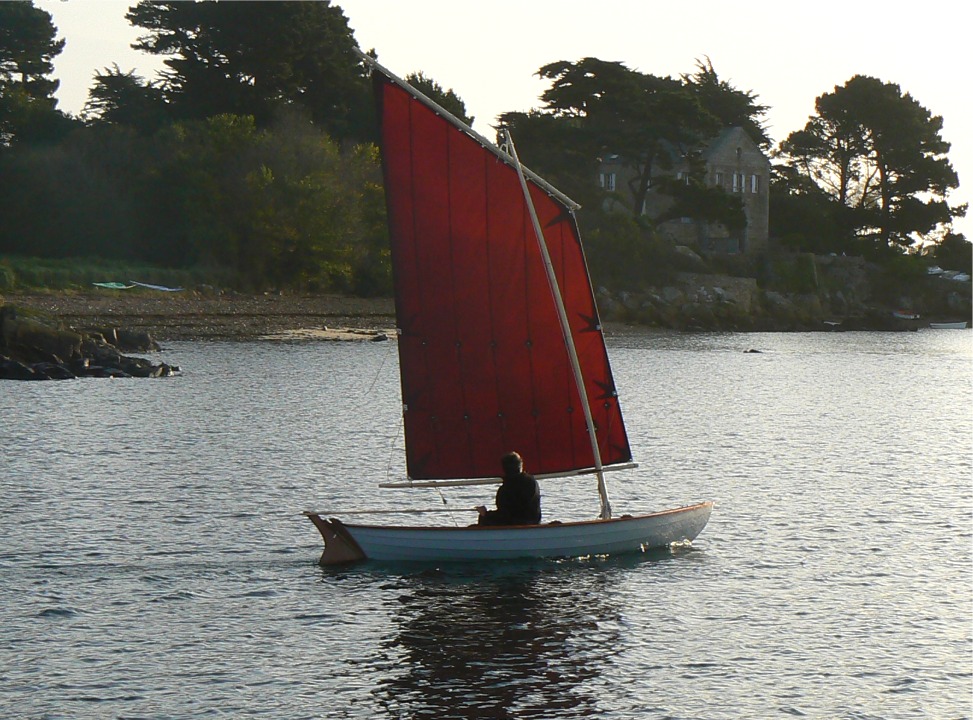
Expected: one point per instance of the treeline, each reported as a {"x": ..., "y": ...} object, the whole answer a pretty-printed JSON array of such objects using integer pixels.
[
  {"x": 263, "y": 174},
  {"x": 252, "y": 155},
  {"x": 273, "y": 207}
]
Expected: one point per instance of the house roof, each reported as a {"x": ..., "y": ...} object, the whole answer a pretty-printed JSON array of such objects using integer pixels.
[
  {"x": 728, "y": 138},
  {"x": 731, "y": 137}
]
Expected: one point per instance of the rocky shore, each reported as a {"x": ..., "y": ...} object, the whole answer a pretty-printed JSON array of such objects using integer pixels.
[
  {"x": 77, "y": 334},
  {"x": 63, "y": 336},
  {"x": 836, "y": 293}
]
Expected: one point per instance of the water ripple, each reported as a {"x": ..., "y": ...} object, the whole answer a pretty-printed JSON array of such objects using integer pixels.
[{"x": 169, "y": 573}]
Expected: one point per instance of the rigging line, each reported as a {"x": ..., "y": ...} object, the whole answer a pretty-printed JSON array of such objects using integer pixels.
[
  {"x": 378, "y": 373},
  {"x": 398, "y": 432},
  {"x": 391, "y": 450},
  {"x": 451, "y": 511}
]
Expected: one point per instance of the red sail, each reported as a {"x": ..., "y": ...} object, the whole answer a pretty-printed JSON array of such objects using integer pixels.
[{"x": 483, "y": 362}]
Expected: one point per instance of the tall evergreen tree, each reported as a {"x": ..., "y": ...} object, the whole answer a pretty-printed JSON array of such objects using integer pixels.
[
  {"x": 252, "y": 58},
  {"x": 119, "y": 98},
  {"x": 733, "y": 108},
  {"x": 876, "y": 150},
  {"x": 28, "y": 46},
  {"x": 447, "y": 99},
  {"x": 645, "y": 119}
]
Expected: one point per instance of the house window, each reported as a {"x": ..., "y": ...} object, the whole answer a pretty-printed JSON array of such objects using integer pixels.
[
  {"x": 683, "y": 176},
  {"x": 608, "y": 181},
  {"x": 754, "y": 184},
  {"x": 718, "y": 179}
]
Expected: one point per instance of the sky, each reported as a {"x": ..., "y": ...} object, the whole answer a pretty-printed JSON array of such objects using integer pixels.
[{"x": 787, "y": 53}]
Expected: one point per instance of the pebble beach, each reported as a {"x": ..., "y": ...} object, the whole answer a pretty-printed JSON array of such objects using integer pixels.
[{"x": 188, "y": 315}]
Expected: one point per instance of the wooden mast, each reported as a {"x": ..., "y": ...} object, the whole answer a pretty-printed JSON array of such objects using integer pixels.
[{"x": 606, "y": 511}]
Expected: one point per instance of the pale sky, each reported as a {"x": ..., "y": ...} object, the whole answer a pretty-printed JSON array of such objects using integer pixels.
[{"x": 786, "y": 52}]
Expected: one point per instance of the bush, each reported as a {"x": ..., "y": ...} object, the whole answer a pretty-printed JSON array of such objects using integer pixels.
[
  {"x": 624, "y": 255},
  {"x": 8, "y": 279},
  {"x": 795, "y": 273},
  {"x": 899, "y": 275}
]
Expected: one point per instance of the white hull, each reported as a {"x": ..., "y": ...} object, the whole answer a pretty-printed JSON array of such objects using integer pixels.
[
  {"x": 948, "y": 326},
  {"x": 627, "y": 534}
]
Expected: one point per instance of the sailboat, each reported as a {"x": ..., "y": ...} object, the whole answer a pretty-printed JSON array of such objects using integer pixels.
[{"x": 500, "y": 346}]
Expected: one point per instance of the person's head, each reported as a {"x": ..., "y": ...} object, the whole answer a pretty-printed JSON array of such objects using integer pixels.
[{"x": 512, "y": 463}]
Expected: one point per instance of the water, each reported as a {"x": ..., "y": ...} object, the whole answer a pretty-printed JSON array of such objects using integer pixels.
[{"x": 154, "y": 562}]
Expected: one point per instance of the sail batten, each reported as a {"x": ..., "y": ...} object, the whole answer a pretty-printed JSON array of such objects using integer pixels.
[{"x": 483, "y": 362}]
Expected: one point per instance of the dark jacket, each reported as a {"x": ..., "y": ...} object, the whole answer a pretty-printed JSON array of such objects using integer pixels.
[{"x": 518, "y": 502}]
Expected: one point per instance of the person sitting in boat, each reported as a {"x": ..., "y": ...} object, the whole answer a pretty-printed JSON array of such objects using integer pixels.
[{"x": 518, "y": 499}]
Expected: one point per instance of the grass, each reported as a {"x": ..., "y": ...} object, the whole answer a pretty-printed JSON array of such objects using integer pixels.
[{"x": 31, "y": 274}]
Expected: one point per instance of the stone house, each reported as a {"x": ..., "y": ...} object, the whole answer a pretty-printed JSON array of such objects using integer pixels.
[{"x": 734, "y": 162}]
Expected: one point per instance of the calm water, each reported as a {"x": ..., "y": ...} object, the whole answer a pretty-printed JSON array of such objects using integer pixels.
[{"x": 154, "y": 562}]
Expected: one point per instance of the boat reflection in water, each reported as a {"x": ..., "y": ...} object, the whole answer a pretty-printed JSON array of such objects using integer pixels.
[{"x": 522, "y": 639}]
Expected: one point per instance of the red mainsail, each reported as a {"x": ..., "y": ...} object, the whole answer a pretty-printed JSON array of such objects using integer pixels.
[{"x": 482, "y": 358}]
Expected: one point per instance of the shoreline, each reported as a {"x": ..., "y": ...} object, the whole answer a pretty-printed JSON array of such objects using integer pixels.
[{"x": 191, "y": 316}]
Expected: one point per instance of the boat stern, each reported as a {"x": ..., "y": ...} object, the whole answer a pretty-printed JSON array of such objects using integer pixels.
[{"x": 339, "y": 546}]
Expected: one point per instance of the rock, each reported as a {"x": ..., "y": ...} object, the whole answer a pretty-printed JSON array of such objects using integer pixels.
[
  {"x": 693, "y": 259},
  {"x": 135, "y": 341},
  {"x": 53, "y": 371},
  {"x": 96, "y": 371},
  {"x": 671, "y": 294},
  {"x": 36, "y": 347},
  {"x": 35, "y": 341},
  {"x": 15, "y": 370}
]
